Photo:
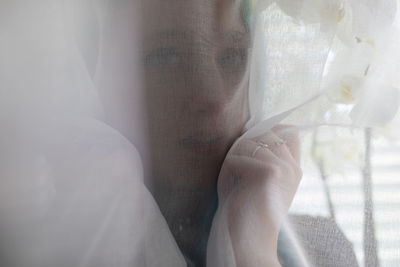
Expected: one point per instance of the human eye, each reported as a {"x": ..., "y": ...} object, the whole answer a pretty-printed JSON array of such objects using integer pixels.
[
  {"x": 232, "y": 58},
  {"x": 163, "y": 56}
]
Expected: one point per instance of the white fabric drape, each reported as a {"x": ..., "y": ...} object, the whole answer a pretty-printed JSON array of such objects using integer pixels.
[{"x": 77, "y": 138}]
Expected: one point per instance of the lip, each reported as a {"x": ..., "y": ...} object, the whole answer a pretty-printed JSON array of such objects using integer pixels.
[{"x": 202, "y": 145}]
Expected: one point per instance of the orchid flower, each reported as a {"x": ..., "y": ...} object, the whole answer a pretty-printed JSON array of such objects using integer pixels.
[{"x": 361, "y": 69}]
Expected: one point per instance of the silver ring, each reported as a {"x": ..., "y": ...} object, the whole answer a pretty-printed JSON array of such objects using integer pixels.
[
  {"x": 264, "y": 145},
  {"x": 259, "y": 145}
]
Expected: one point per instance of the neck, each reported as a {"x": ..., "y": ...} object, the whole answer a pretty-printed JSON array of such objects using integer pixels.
[{"x": 189, "y": 213}]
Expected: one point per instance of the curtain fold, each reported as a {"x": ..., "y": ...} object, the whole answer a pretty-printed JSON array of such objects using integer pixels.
[{"x": 119, "y": 120}]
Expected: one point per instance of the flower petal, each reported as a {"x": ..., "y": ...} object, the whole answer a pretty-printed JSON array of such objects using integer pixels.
[{"x": 377, "y": 107}]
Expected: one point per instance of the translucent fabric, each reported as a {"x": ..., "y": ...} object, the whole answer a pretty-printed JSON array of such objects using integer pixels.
[{"x": 199, "y": 133}]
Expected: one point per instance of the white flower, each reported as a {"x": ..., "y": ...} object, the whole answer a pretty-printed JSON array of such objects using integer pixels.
[
  {"x": 377, "y": 105},
  {"x": 371, "y": 16},
  {"x": 346, "y": 90},
  {"x": 362, "y": 63},
  {"x": 391, "y": 130},
  {"x": 344, "y": 30},
  {"x": 346, "y": 71},
  {"x": 361, "y": 72}
]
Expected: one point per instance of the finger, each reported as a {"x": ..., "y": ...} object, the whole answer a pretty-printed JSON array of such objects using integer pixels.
[
  {"x": 269, "y": 142},
  {"x": 281, "y": 158},
  {"x": 291, "y": 136},
  {"x": 246, "y": 174},
  {"x": 247, "y": 147},
  {"x": 242, "y": 171},
  {"x": 278, "y": 146},
  {"x": 281, "y": 151}
]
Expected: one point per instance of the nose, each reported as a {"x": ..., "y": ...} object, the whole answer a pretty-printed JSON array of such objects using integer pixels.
[{"x": 207, "y": 87}]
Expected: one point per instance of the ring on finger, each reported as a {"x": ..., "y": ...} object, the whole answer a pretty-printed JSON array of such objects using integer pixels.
[{"x": 261, "y": 144}]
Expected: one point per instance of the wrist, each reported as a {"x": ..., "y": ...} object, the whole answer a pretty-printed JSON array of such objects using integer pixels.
[{"x": 254, "y": 246}]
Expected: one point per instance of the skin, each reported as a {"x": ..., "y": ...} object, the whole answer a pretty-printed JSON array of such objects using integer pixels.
[
  {"x": 256, "y": 191},
  {"x": 196, "y": 108},
  {"x": 193, "y": 59}
]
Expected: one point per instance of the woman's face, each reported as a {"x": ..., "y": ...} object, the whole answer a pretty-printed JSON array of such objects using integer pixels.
[
  {"x": 194, "y": 62},
  {"x": 192, "y": 59}
]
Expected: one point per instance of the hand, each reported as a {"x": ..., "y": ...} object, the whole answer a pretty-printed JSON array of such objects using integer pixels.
[{"x": 256, "y": 185}]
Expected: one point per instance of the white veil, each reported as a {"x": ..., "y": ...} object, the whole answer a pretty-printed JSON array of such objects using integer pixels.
[
  {"x": 75, "y": 155},
  {"x": 72, "y": 187}
]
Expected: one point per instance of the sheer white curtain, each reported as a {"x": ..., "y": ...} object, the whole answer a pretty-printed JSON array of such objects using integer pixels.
[{"x": 116, "y": 117}]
